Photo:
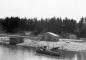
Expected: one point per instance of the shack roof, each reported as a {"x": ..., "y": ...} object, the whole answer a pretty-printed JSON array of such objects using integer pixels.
[{"x": 56, "y": 35}]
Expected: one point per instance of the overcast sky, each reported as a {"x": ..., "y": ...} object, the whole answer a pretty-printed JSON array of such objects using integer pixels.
[{"x": 43, "y": 8}]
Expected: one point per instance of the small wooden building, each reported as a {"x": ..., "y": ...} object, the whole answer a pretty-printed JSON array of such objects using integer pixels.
[
  {"x": 4, "y": 38},
  {"x": 72, "y": 36},
  {"x": 15, "y": 40},
  {"x": 49, "y": 36},
  {"x": 69, "y": 36}
]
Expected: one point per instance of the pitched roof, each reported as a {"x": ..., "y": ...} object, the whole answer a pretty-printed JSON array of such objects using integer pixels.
[{"x": 53, "y": 34}]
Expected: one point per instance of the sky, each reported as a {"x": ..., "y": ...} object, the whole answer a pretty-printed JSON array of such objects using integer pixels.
[{"x": 43, "y": 8}]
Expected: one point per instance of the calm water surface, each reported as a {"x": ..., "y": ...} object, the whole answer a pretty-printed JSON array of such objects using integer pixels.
[{"x": 28, "y": 53}]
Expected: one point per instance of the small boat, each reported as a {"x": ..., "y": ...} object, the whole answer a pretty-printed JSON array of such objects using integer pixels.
[{"x": 43, "y": 50}]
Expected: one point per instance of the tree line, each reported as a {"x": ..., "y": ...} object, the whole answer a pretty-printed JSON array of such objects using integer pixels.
[{"x": 56, "y": 25}]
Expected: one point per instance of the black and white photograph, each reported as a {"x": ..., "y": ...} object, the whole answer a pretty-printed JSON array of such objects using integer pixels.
[{"x": 42, "y": 30}]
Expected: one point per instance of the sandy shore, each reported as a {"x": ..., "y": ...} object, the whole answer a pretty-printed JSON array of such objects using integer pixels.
[{"x": 70, "y": 45}]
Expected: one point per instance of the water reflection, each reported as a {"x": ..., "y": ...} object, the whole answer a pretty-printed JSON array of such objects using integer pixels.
[{"x": 28, "y": 53}]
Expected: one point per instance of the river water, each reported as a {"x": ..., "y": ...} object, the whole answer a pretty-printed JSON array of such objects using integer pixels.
[{"x": 8, "y": 52}]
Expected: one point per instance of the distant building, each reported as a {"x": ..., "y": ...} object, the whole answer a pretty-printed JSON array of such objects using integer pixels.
[
  {"x": 69, "y": 36},
  {"x": 49, "y": 36},
  {"x": 4, "y": 38},
  {"x": 27, "y": 33},
  {"x": 15, "y": 40},
  {"x": 82, "y": 38},
  {"x": 72, "y": 36}
]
